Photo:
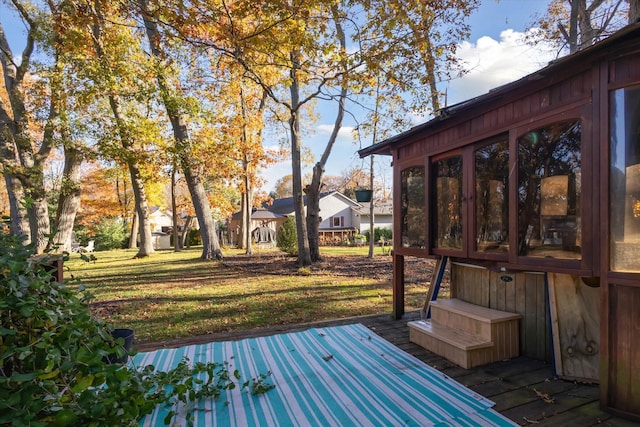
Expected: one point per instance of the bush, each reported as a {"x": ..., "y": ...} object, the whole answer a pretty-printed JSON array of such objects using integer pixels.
[
  {"x": 111, "y": 233},
  {"x": 287, "y": 237},
  {"x": 378, "y": 233},
  {"x": 52, "y": 370},
  {"x": 195, "y": 238}
]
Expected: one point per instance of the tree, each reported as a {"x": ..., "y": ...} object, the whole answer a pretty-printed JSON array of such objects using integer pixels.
[
  {"x": 298, "y": 54},
  {"x": 577, "y": 24},
  {"x": 283, "y": 187},
  {"x": 190, "y": 167},
  {"x": 26, "y": 145},
  {"x": 112, "y": 59}
]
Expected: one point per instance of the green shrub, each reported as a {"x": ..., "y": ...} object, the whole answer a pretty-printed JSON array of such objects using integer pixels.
[
  {"x": 111, "y": 233},
  {"x": 378, "y": 233},
  {"x": 195, "y": 238},
  {"x": 287, "y": 237},
  {"x": 52, "y": 370}
]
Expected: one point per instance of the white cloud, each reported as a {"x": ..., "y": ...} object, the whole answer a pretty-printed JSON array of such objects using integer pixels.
[
  {"x": 344, "y": 132},
  {"x": 491, "y": 63}
]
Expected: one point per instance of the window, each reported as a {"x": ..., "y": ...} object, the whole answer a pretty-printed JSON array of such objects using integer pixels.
[
  {"x": 447, "y": 195},
  {"x": 549, "y": 160},
  {"x": 624, "y": 207},
  {"x": 337, "y": 221},
  {"x": 492, "y": 198},
  {"x": 412, "y": 207}
]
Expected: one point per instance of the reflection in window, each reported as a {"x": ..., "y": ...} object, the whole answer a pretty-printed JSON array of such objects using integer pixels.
[
  {"x": 447, "y": 220},
  {"x": 625, "y": 179},
  {"x": 413, "y": 209},
  {"x": 549, "y": 191},
  {"x": 492, "y": 197}
]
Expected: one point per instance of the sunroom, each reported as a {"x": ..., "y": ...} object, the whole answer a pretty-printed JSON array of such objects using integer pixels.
[{"x": 531, "y": 192}]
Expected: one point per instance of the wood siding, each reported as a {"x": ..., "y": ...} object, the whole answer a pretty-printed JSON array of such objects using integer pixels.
[
  {"x": 500, "y": 118},
  {"x": 524, "y": 294},
  {"x": 623, "y": 365}
]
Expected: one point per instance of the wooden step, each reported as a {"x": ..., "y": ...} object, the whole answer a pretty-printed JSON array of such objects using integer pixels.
[
  {"x": 454, "y": 337},
  {"x": 457, "y": 346},
  {"x": 467, "y": 334},
  {"x": 484, "y": 314},
  {"x": 473, "y": 319}
]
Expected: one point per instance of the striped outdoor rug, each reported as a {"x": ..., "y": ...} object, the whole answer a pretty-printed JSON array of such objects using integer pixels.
[{"x": 337, "y": 376}]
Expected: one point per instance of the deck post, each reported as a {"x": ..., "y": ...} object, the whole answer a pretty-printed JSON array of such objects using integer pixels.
[{"x": 398, "y": 286}]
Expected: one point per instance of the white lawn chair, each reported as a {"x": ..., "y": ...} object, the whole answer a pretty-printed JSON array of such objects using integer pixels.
[{"x": 88, "y": 248}]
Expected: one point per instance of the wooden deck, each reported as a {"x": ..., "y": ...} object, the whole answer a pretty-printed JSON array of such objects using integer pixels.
[{"x": 523, "y": 389}]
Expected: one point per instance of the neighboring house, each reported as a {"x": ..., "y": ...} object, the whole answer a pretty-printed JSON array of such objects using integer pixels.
[
  {"x": 160, "y": 219},
  {"x": 382, "y": 215},
  {"x": 340, "y": 216},
  {"x": 532, "y": 191}
]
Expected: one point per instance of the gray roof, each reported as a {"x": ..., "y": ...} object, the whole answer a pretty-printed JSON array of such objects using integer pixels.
[{"x": 260, "y": 214}]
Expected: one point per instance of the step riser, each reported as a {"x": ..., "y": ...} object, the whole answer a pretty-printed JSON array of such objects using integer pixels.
[
  {"x": 466, "y": 359},
  {"x": 505, "y": 346},
  {"x": 458, "y": 321}
]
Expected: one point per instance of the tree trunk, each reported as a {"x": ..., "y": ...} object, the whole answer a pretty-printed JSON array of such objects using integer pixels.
[
  {"x": 304, "y": 255},
  {"x": 313, "y": 190},
  {"x": 573, "y": 25},
  {"x": 210, "y": 244},
  {"x": 186, "y": 231},
  {"x": 18, "y": 214},
  {"x": 313, "y": 212},
  {"x": 177, "y": 243},
  {"x": 133, "y": 237},
  {"x": 38, "y": 209},
  {"x": 634, "y": 11},
  {"x": 19, "y": 219},
  {"x": 69, "y": 199},
  {"x": 245, "y": 212},
  {"x": 372, "y": 241},
  {"x": 142, "y": 209}
]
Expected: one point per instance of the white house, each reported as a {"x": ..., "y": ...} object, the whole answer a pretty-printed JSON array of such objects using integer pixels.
[
  {"x": 160, "y": 218},
  {"x": 382, "y": 215},
  {"x": 339, "y": 220}
]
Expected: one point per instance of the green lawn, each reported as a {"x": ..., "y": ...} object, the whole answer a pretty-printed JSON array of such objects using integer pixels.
[{"x": 175, "y": 294}]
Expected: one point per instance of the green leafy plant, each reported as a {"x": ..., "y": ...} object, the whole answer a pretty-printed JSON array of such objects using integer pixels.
[
  {"x": 52, "y": 350},
  {"x": 287, "y": 237},
  {"x": 111, "y": 233},
  {"x": 380, "y": 233}
]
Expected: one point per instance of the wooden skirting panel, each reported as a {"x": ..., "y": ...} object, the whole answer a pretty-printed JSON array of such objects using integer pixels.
[{"x": 521, "y": 293}]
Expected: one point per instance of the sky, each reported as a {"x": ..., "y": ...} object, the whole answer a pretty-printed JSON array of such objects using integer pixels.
[{"x": 494, "y": 52}]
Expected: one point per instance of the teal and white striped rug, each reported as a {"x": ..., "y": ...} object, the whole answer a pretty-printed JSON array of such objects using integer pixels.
[{"x": 337, "y": 376}]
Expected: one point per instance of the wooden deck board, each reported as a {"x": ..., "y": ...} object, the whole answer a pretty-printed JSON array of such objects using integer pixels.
[{"x": 509, "y": 383}]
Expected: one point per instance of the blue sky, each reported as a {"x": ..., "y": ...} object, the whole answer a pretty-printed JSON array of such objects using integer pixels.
[{"x": 495, "y": 54}]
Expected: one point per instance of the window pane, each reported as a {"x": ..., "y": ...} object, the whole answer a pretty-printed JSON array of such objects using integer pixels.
[
  {"x": 492, "y": 197},
  {"x": 413, "y": 214},
  {"x": 447, "y": 221},
  {"x": 549, "y": 191},
  {"x": 624, "y": 196}
]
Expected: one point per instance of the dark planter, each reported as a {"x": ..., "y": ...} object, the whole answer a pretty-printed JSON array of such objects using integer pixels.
[
  {"x": 364, "y": 195},
  {"x": 127, "y": 336}
]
